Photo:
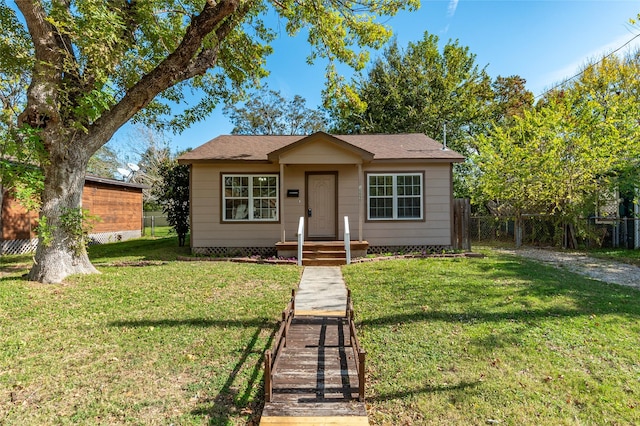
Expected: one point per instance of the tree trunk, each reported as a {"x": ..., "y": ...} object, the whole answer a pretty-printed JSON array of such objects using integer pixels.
[
  {"x": 518, "y": 230},
  {"x": 61, "y": 248},
  {"x": 1, "y": 222}
]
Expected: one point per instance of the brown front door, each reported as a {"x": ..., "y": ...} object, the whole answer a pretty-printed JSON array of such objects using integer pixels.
[{"x": 322, "y": 212}]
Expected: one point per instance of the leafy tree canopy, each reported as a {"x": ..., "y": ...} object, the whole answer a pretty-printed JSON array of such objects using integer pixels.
[
  {"x": 84, "y": 68},
  {"x": 421, "y": 89},
  {"x": 267, "y": 112},
  {"x": 578, "y": 143}
]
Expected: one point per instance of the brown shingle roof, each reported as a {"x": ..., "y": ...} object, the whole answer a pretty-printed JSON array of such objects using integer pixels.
[{"x": 411, "y": 146}]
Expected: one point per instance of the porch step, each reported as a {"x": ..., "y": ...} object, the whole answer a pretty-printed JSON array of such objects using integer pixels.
[
  {"x": 327, "y": 254},
  {"x": 322, "y": 253},
  {"x": 324, "y": 261}
]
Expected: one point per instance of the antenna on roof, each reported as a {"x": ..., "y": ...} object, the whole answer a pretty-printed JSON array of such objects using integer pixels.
[
  {"x": 124, "y": 172},
  {"x": 444, "y": 131},
  {"x": 127, "y": 174}
]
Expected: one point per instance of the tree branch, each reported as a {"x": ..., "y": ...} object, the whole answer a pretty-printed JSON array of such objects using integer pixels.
[
  {"x": 183, "y": 63},
  {"x": 42, "y": 92}
]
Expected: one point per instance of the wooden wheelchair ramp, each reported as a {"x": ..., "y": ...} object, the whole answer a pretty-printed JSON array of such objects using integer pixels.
[{"x": 315, "y": 373}]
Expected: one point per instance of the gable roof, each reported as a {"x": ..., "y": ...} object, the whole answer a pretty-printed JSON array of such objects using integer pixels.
[{"x": 266, "y": 148}]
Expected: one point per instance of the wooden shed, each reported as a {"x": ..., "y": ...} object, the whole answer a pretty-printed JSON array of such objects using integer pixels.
[{"x": 117, "y": 204}]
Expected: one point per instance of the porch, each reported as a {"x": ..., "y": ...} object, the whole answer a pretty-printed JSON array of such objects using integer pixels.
[{"x": 322, "y": 253}]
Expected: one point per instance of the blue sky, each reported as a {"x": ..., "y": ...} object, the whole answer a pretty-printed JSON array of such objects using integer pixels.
[{"x": 544, "y": 41}]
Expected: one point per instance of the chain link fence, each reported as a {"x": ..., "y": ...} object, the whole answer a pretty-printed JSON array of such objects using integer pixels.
[
  {"x": 152, "y": 220},
  {"x": 549, "y": 231}
]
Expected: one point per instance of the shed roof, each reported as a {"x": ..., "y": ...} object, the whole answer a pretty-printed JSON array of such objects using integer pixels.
[
  {"x": 249, "y": 148},
  {"x": 113, "y": 182}
]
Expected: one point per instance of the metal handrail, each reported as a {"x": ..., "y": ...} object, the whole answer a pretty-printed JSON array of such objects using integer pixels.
[
  {"x": 347, "y": 239},
  {"x": 300, "y": 239}
]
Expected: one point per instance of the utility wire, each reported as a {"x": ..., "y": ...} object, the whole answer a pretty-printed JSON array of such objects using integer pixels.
[{"x": 587, "y": 67}]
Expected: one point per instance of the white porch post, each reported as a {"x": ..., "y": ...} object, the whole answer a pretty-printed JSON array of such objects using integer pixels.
[
  {"x": 282, "y": 198},
  {"x": 360, "y": 202}
]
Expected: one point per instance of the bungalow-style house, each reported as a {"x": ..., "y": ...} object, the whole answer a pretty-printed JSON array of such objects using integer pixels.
[
  {"x": 116, "y": 204},
  {"x": 248, "y": 193}
]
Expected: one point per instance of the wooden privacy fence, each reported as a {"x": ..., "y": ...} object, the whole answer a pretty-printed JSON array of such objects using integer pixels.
[{"x": 461, "y": 218}]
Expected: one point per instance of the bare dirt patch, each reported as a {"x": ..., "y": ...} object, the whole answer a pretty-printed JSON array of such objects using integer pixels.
[{"x": 602, "y": 270}]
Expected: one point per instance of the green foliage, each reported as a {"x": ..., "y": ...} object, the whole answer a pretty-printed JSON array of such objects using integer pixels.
[
  {"x": 421, "y": 89},
  {"x": 21, "y": 152},
  {"x": 267, "y": 112},
  {"x": 77, "y": 222},
  {"x": 577, "y": 144},
  {"x": 173, "y": 195},
  {"x": 44, "y": 231}
]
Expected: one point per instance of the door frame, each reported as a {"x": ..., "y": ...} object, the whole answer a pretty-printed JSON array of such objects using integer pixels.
[{"x": 306, "y": 204}]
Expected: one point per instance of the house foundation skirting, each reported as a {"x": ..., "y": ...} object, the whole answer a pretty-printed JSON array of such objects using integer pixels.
[
  {"x": 235, "y": 251},
  {"x": 113, "y": 237},
  {"x": 272, "y": 251},
  {"x": 18, "y": 246},
  {"x": 29, "y": 246},
  {"x": 426, "y": 249}
]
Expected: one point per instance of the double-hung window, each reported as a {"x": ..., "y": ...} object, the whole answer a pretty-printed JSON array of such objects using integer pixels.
[
  {"x": 250, "y": 198},
  {"x": 395, "y": 196}
]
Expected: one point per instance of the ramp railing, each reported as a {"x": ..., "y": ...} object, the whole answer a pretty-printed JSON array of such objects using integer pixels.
[
  {"x": 271, "y": 356},
  {"x": 359, "y": 354}
]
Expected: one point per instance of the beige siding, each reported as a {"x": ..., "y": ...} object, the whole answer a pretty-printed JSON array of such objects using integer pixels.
[
  {"x": 436, "y": 227},
  {"x": 209, "y": 231},
  {"x": 320, "y": 153}
]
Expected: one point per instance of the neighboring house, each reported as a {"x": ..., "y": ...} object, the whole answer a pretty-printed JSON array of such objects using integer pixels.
[
  {"x": 248, "y": 192},
  {"x": 116, "y": 204}
]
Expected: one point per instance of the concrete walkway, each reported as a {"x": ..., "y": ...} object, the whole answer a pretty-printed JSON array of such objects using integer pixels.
[{"x": 321, "y": 292}]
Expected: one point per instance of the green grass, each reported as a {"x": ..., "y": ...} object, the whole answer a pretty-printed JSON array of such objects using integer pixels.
[
  {"x": 449, "y": 341},
  {"x": 621, "y": 255},
  {"x": 166, "y": 343},
  {"x": 473, "y": 341}
]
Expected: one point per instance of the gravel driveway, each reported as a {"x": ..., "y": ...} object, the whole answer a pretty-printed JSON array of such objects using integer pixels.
[{"x": 603, "y": 270}]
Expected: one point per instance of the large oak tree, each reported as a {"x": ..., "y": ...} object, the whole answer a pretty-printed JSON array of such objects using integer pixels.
[{"x": 92, "y": 66}]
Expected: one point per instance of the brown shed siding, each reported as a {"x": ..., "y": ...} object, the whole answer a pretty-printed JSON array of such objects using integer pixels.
[
  {"x": 17, "y": 222},
  {"x": 118, "y": 208}
]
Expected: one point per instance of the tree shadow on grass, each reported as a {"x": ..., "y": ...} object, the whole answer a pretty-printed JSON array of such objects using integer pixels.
[
  {"x": 146, "y": 249},
  {"x": 464, "y": 385},
  {"x": 237, "y": 396},
  {"x": 532, "y": 286}
]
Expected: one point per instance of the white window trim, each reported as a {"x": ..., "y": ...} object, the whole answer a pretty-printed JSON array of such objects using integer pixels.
[
  {"x": 250, "y": 198},
  {"x": 395, "y": 196}
]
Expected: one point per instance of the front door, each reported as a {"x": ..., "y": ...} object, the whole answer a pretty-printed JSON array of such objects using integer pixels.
[{"x": 322, "y": 198}]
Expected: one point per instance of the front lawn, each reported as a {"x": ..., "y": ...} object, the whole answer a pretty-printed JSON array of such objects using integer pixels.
[
  {"x": 151, "y": 340},
  {"x": 499, "y": 340}
]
